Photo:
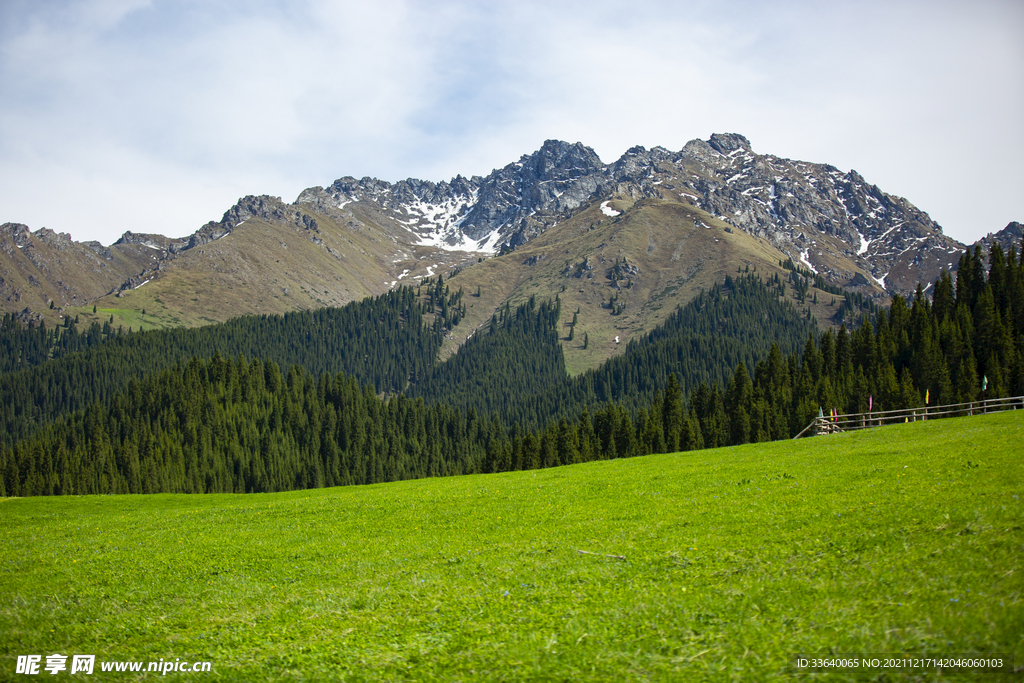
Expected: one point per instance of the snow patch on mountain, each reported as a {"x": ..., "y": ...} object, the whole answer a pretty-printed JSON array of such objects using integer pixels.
[
  {"x": 864, "y": 244},
  {"x": 491, "y": 243},
  {"x": 804, "y": 255}
]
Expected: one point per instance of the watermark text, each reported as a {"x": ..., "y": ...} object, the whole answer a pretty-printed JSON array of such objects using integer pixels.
[{"x": 32, "y": 665}]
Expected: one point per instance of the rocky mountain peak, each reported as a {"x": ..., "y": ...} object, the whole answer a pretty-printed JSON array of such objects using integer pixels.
[
  {"x": 158, "y": 242},
  {"x": 18, "y": 232},
  {"x": 637, "y": 163},
  {"x": 725, "y": 143},
  {"x": 828, "y": 220},
  {"x": 58, "y": 240},
  {"x": 519, "y": 201},
  {"x": 557, "y": 159},
  {"x": 1010, "y": 236},
  {"x": 264, "y": 207}
]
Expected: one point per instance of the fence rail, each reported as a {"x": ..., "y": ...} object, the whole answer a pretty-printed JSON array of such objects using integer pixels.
[{"x": 831, "y": 424}]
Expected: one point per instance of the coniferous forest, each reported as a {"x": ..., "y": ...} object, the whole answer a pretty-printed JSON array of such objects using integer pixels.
[
  {"x": 384, "y": 341},
  {"x": 355, "y": 395}
]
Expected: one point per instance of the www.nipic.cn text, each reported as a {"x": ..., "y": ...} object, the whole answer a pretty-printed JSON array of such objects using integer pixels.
[{"x": 87, "y": 664}]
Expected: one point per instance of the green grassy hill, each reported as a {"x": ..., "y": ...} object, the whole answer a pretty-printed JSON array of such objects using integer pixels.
[{"x": 709, "y": 565}]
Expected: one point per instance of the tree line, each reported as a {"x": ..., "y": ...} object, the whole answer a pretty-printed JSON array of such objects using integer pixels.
[
  {"x": 27, "y": 346},
  {"x": 387, "y": 341},
  {"x": 244, "y": 425}
]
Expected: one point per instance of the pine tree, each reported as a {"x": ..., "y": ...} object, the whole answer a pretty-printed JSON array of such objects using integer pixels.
[
  {"x": 738, "y": 399},
  {"x": 672, "y": 414}
]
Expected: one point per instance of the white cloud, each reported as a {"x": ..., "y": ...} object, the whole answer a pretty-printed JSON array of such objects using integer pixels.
[{"x": 171, "y": 110}]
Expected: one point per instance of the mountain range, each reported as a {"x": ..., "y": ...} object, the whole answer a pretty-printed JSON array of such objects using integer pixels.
[{"x": 622, "y": 244}]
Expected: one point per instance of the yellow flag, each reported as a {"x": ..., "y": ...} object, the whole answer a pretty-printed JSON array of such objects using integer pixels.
[{"x": 926, "y": 396}]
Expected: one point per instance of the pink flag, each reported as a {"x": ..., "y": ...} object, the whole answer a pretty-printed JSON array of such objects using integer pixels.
[{"x": 871, "y": 402}]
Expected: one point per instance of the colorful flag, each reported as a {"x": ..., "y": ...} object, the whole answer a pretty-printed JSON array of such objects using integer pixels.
[
  {"x": 926, "y": 396},
  {"x": 984, "y": 382}
]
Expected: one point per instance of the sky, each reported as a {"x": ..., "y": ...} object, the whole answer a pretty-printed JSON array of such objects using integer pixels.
[{"x": 157, "y": 115}]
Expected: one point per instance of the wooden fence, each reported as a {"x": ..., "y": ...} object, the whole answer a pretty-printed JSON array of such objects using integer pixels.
[{"x": 830, "y": 424}]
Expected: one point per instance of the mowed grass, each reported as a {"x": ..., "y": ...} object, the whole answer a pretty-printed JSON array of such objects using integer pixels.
[{"x": 902, "y": 539}]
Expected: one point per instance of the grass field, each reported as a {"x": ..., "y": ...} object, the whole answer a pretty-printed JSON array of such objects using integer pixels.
[{"x": 712, "y": 565}]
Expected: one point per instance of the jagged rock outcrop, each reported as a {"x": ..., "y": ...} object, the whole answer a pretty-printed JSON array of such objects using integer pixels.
[
  {"x": 508, "y": 207},
  {"x": 1010, "y": 236},
  {"x": 820, "y": 216},
  {"x": 580, "y": 270},
  {"x": 18, "y": 234},
  {"x": 727, "y": 143},
  {"x": 557, "y": 179},
  {"x": 58, "y": 240},
  {"x": 158, "y": 243}
]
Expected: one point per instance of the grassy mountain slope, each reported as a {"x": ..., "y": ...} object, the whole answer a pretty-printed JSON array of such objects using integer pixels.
[
  {"x": 37, "y": 268},
  {"x": 655, "y": 256},
  {"x": 269, "y": 266},
  {"x": 711, "y": 565}
]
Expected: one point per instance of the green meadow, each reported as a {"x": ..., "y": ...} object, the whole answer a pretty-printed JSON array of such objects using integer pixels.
[{"x": 709, "y": 565}]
